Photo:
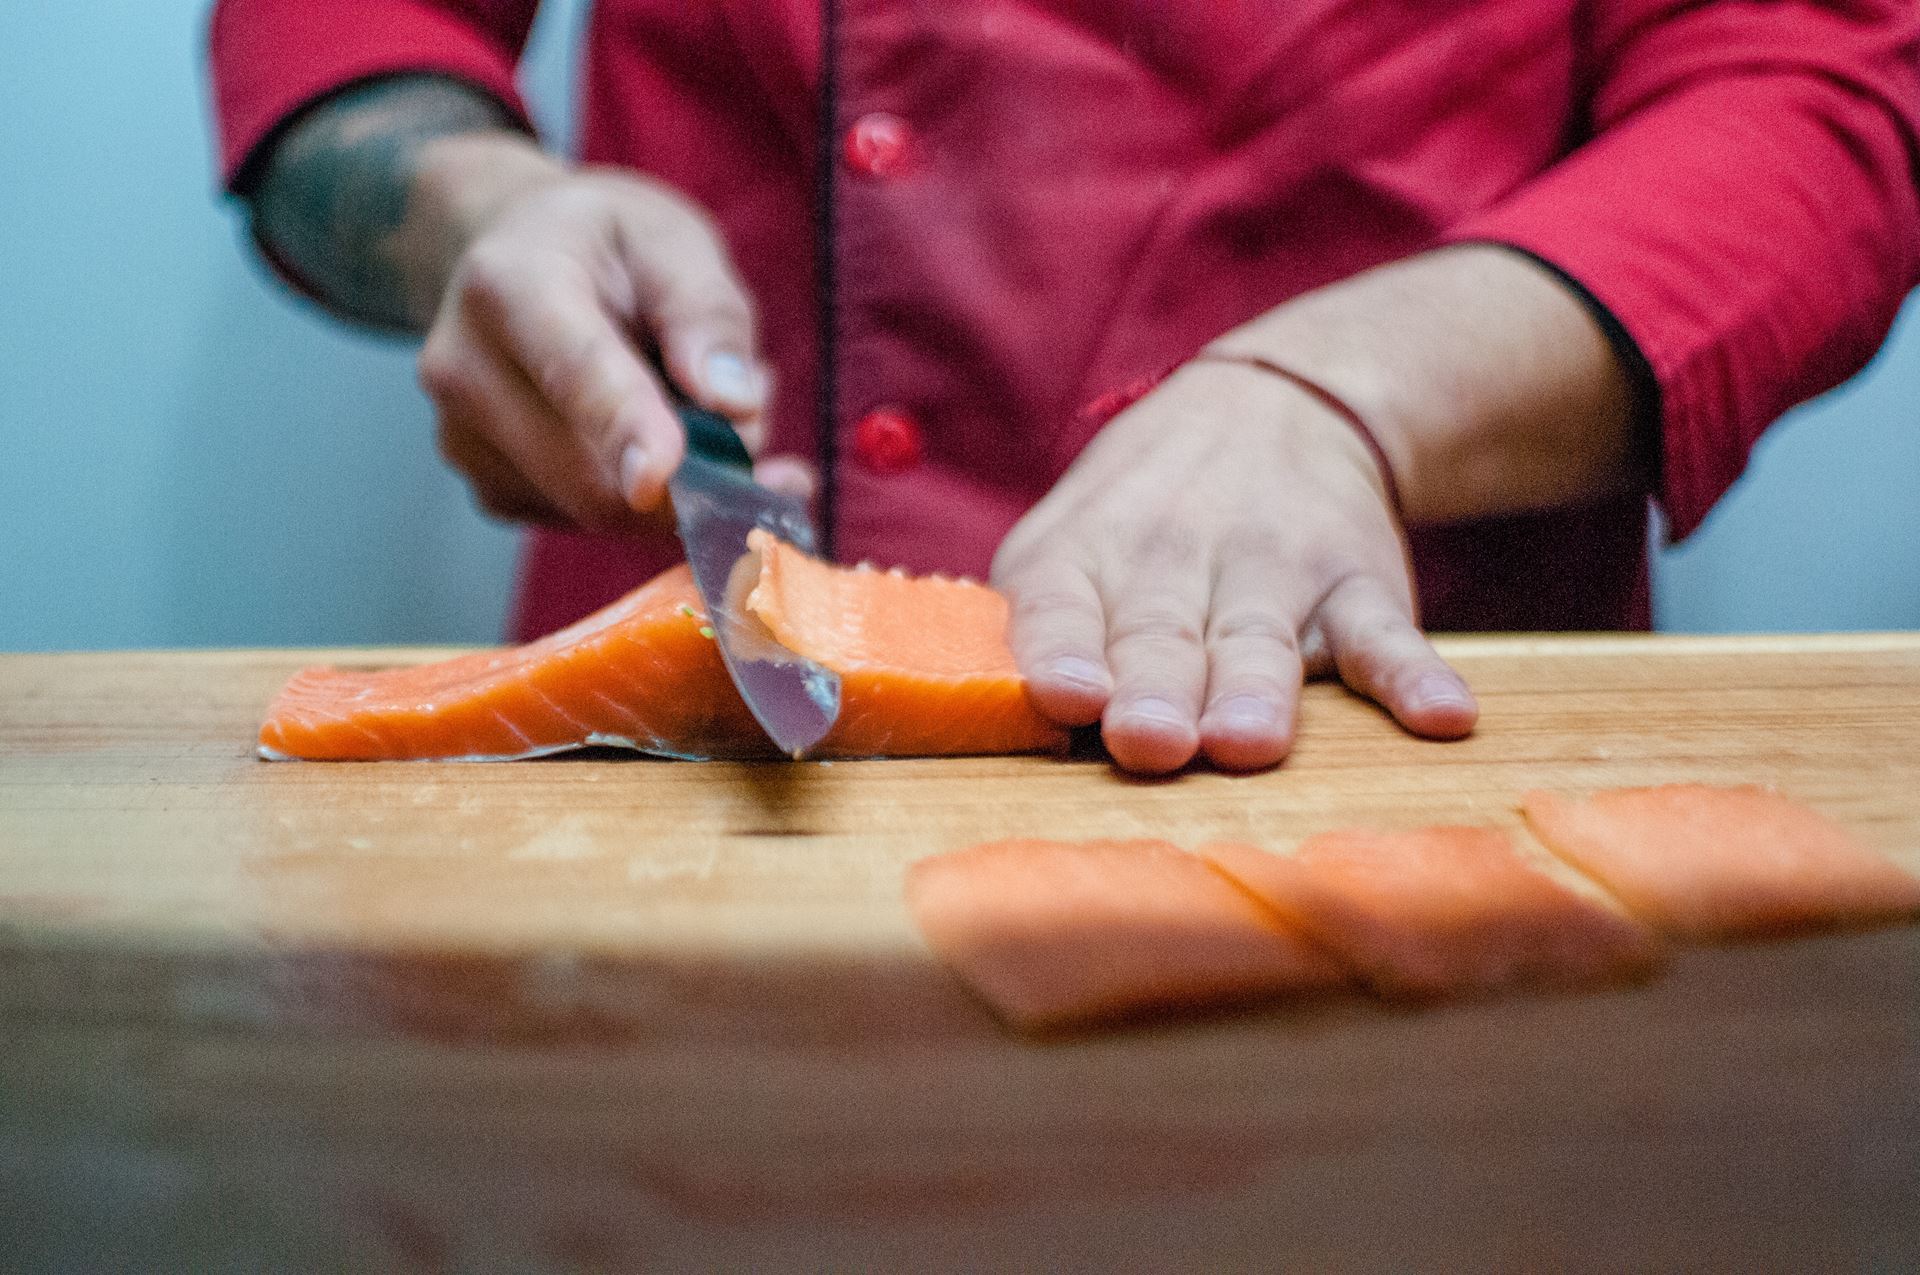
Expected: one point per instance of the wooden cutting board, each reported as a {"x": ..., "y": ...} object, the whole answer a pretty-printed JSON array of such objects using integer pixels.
[{"x": 596, "y": 1013}]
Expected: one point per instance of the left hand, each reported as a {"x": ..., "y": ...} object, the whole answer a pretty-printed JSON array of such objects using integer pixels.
[{"x": 1219, "y": 540}]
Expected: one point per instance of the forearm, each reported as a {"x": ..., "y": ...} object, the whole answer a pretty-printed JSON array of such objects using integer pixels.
[
  {"x": 348, "y": 197},
  {"x": 1491, "y": 388}
]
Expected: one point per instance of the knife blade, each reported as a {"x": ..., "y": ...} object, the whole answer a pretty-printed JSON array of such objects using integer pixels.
[{"x": 715, "y": 504}]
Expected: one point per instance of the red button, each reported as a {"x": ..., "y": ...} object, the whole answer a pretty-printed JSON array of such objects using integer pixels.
[
  {"x": 877, "y": 144},
  {"x": 887, "y": 441}
]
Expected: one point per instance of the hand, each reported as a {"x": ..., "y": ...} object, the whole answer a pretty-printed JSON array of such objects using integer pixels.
[
  {"x": 1218, "y": 540},
  {"x": 546, "y": 285}
]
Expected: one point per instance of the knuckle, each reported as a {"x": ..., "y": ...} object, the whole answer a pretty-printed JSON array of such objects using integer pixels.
[
  {"x": 1249, "y": 684},
  {"x": 685, "y": 227},
  {"x": 1255, "y": 541},
  {"x": 1164, "y": 546},
  {"x": 1380, "y": 634},
  {"x": 664, "y": 223},
  {"x": 1252, "y": 627},
  {"x": 1365, "y": 661},
  {"x": 489, "y": 276},
  {"x": 1370, "y": 620},
  {"x": 704, "y": 303},
  {"x": 1039, "y": 605},
  {"x": 1410, "y": 672},
  {"x": 1039, "y": 554},
  {"x": 575, "y": 380},
  {"x": 583, "y": 197},
  {"x": 1319, "y": 555},
  {"x": 695, "y": 215},
  {"x": 650, "y": 201},
  {"x": 587, "y": 380},
  {"x": 1018, "y": 555},
  {"x": 1043, "y": 661},
  {"x": 1157, "y": 625},
  {"x": 443, "y": 370}
]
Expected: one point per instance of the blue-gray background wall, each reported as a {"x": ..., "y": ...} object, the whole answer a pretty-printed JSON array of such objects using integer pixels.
[{"x": 190, "y": 457}]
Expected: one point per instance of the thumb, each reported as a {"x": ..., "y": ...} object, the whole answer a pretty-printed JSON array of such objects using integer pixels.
[{"x": 699, "y": 315}]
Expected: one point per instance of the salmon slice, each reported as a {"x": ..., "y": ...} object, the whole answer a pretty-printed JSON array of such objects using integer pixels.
[
  {"x": 639, "y": 673},
  {"x": 1709, "y": 863},
  {"x": 924, "y": 664},
  {"x": 1056, "y": 933},
  {"x": 1440, "y": 911}
]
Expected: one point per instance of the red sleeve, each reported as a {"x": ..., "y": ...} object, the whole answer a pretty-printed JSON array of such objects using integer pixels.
[
  {"x": 272, "y": 57},
  {"x": 1746, "y": 208}
]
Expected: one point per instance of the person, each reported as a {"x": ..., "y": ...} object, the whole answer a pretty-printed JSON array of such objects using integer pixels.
[{"x": 1203, "y": 331}]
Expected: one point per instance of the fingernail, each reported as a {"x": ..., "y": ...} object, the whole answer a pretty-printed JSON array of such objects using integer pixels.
[
  {"x": 633, "y": 462},
  {"x": 1437, "y": 690},
  {"x": 1155, "y": 712},
  {"x": 729, "y": 377},
  {"x": 1081, "y": 674},
  {"x": 1249, "y": 711}
]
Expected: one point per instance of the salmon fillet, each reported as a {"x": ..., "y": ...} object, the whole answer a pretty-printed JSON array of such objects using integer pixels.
[
  {"x": 1711, "y": 863},
  {"x": 924, "y": 666},
  {"x": 1055, "y": 933},
  {"x": 1440, "y": 911}
]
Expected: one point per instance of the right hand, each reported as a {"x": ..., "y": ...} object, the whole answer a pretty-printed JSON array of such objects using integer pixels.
[{"x": 546, "y": 284}]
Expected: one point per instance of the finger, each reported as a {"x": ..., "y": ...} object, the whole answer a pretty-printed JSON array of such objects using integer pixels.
[
  {"x": 697, "y": 310},
  {"x": 1253, "y": 664},
  {"x": 788, "y": 475},
  {"x": 498, "y": 488},
  {"x": 559, "y": 331},
  {"x": 1313, "y": 651},
  {"x": 1057, "y": 628},
  {"x": 1156, "y": 648},
  {"x": 1381, "y": 654},
  {"x": 727, "y": 383},
  {"x": 479, "y": 386}
]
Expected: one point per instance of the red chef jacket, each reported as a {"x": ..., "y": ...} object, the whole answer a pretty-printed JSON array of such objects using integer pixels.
[{"x": 966, "y": 221}]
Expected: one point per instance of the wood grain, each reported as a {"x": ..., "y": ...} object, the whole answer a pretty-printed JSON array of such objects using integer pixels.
[{"x": 603, "y": 1012}]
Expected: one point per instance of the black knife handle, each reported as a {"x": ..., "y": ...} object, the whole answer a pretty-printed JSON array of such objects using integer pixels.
[{"x": 710, "y": 436}]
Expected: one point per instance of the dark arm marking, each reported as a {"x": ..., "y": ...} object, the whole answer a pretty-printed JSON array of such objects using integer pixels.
[{"x": 332, "y": 191}]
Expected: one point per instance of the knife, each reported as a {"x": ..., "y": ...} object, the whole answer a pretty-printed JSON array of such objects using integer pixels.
[{"x": 716, "y": 503}]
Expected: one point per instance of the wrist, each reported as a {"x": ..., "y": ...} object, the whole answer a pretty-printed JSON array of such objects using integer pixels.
[
  {"x": 1489, "y": 389},
  {"x": 1249, "y": 405},
  {"x": 1328, "y": 363},
  {"x": 460, "y": 185},
  {"x": 1330, "y": 402}
]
